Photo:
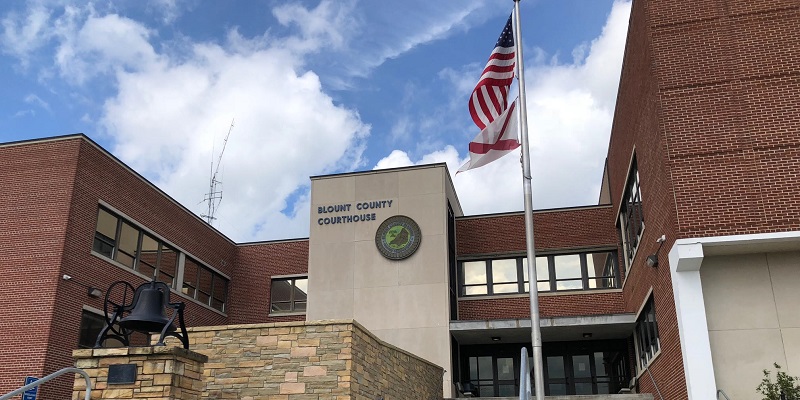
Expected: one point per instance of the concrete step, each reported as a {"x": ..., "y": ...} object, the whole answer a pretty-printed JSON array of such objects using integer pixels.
[{"x": 592, "y": 397}]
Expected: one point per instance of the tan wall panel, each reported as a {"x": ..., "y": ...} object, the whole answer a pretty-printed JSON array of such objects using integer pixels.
[{"x": 738, "y": 292}]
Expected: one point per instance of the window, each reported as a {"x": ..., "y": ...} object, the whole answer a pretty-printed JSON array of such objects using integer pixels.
[
  {"x": 580, "y": 271},
  {"x": 129, "y": 245},
  {"x": 646, "y": 334},
  {"x": 289, "y": 295},
  {"x": 91, "y": 325},
  {"x": 204, "y": 285},
  {"x": 123, "y": 242},
  {"x": 631, "y": 215}
]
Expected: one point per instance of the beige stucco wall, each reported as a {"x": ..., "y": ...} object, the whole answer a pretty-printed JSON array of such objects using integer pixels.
[
  {"x": 752, "y": 305},
  {"x": 404, "y": 303}
]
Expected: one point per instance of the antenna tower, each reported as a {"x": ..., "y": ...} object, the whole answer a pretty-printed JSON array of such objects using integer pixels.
[{"x": 214, "y": 196}]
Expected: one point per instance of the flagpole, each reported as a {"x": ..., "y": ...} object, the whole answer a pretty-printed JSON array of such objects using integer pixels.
[{"x": 533, "y": 292}]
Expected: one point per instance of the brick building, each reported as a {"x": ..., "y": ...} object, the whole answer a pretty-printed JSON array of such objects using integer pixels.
[{"x": 704, "y": 153}]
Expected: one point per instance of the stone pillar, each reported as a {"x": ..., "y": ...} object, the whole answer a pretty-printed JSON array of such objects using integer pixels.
[{"x": 162, "y": 373}]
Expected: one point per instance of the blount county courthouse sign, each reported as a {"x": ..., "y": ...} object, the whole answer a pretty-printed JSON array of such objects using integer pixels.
[{"x": 354, "y": 212}]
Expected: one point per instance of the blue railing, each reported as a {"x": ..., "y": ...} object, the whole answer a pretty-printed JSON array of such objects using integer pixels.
[
  {"x": 524, "y": 376},
  {"x": 52, "y": 376}
]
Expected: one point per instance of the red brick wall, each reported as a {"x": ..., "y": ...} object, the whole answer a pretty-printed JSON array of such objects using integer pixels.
[
  {"x": 48, "y": 226},
  {"x": 255, "y": 264},
  {"x": 561, "y": 305},
  {"x": 559, "y": 229},
  {"x": 34, "y": 202},
  {"x": 708, "y": 100},
  {"x": 554, "y": 230}
]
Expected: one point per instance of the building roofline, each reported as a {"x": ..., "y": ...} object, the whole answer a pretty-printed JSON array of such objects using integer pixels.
[
  {"x": 379, "y": 171},
  {"x": 88, "y": 140},
  {"x": 539, "y": 211},
  {"x": 272, "y": 241}
]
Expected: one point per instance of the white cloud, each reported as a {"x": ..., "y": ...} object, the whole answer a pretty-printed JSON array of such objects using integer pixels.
[
  {"x": 170, "y": 109},
  {"x": 570, "y": 109},
  {"x": 36, "y": 100},
  {"x": 23, "y": 35}
]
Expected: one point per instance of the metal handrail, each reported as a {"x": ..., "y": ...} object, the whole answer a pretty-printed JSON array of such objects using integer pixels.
[
  {"x": 524, "y": 376},
  {"x": 722, "y": 392},
  {"x": 52, "y": 376}
]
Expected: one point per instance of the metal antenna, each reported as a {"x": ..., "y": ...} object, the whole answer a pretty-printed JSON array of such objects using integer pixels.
[{"x": 214, "y": 195}]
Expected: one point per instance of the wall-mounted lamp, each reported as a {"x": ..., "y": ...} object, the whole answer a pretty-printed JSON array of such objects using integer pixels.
[
  {"x": 587, "y": 335},
  {"x": 90, "y": 290},
  {"x": 652, "y": 260},
  {"x": 495, "y": 338}
]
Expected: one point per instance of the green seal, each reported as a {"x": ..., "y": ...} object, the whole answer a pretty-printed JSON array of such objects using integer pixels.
[{"x": 398, "y": 237}]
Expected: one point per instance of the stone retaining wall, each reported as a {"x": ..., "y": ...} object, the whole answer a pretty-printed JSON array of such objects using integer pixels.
[{"x": 320, "y": 360}]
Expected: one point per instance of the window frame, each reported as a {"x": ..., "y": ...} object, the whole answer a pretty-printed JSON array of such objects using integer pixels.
[
  {"x": 631, "y": 215},
  {"x": 292, "y": 301},
  {"x": 646, "y": 334},
  {"x": 178, "y": 283},
  {"x": 552, "y": 280}
]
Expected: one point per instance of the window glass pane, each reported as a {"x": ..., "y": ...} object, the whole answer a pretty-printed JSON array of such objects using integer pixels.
[
  {"x": 168, "y": 265},
  {"x": 148, "y": 255},
  {"x": 485, "y": 368},
  {"x": 475, "y": 290},
  {"x": 486, "y": 391},
  {"x": 91, "y": 325},
  {"x": 505, "y": 369},
  {"x": 299, "y": 306},
  {"x": 505, "y": 288},
  {"x": 473, "y": 368},
  {"x": 599, "y": 364},
  {"x": 558, "y": 389},
  {"x": 504, "y": 271},
  {"x": 189, "y": 277},
  {"x": 568, "y": 266},
  {"x": 281, "y": 290},
  {"x": 581, "y": 367},
  {"x": 220, "y": 294},
  {"x": 474, "y": 272},
  {"x": 204, "y": 288},
  {"x": 583, "y": 388},
  {"x": 300, "y": 289},
  {"x": 103, "y": 247},
  {"x": 107, "y": 224},
  {"x": 281, "y": 306},
  {"x": 542, "y": 273},
  {"x": 507, "y": 390},
  {"x": 555, "y": 367},
  {"x": 128, "y": 241},
  {"x": 569, "y": 285}
]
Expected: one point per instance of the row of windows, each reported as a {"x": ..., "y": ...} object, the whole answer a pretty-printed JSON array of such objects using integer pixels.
[
  {"x": 127, "y": 244},
  {"x": 646, "y": 334},
  {"x": 631, "y": 216},
  {"x": 583, "y": 271}
]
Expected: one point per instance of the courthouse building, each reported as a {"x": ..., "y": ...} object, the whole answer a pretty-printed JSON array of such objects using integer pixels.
[{"x": 682, "y": 280}]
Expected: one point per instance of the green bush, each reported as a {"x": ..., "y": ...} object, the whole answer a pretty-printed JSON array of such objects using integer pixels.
[{"x": 785, "y": 383}]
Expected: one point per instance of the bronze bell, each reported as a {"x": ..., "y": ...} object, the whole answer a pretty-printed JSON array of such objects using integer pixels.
[{"x": 148, "y": 313}]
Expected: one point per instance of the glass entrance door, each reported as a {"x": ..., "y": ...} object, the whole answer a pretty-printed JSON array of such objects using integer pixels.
[
  {"x": 583, "y": 370},
  {"x": 570, "y": 368}
]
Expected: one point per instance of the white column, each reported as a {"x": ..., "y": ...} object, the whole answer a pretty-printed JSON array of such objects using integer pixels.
[{"x": 685, "y": 260}]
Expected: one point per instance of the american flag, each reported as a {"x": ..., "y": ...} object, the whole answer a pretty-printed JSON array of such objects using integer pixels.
[
  {"x": 491, "y": 93},
  {"x": 488, "y": 106}
]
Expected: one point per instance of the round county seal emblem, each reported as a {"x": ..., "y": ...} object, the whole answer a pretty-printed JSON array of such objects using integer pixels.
[{"x": 398, "y": 237}]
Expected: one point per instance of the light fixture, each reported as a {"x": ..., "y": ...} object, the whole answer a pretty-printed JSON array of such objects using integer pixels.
[
  {"x": 91, "y": 291},
  {"x": 495, "y": 338},
  {"x": 652, "y": 260},
  {"x": 587, "y": 335}
]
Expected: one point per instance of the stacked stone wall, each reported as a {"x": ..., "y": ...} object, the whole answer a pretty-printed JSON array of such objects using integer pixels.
[
  {"x": 161, "y": 373},
  {"x": 324, "y": 360}
]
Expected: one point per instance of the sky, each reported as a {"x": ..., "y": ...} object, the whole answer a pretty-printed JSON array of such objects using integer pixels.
[{"x": 312, "y": 87}]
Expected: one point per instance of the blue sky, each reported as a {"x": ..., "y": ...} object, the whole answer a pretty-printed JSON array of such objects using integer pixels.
[{"x": 314, "y": 87}]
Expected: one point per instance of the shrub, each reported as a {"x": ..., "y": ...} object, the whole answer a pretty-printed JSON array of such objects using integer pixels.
[{"x": 789, "y": 385}]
